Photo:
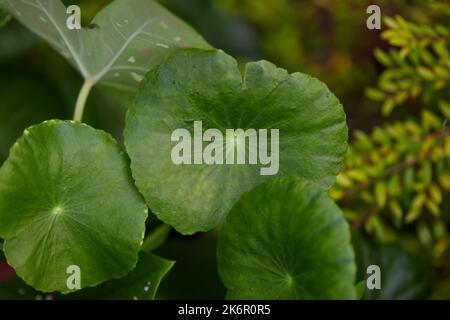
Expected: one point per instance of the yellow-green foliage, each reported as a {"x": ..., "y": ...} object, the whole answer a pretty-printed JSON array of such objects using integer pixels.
[
  {"x": 402, "y": 169},
  {"x": 417, "y": 66},
  {"x": 397, "y": 178}
]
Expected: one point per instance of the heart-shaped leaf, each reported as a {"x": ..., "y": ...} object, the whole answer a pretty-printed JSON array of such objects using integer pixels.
[
  {"x": 67, "y": 200},
  {"x": 286, "y": 239},
  {"x": 140, "y": 284},
  {"x": 195, "y": 86},
  {"x": 123, "y": 42}
]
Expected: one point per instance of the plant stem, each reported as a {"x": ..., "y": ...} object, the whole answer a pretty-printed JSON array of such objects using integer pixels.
[{"x": 82, "y": 98}]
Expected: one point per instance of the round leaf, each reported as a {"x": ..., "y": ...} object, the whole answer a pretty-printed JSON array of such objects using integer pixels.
[
  {"x": 286, "y": 239},
  {"x": 67, "y": 199},
  {"x": 198, "y": 85}
]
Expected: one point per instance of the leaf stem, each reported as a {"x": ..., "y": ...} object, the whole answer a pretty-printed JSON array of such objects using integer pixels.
[{"x": 82, "y": 98}]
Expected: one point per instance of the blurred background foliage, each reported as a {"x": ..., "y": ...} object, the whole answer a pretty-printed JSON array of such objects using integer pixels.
[{"x": 394, "y": 84}]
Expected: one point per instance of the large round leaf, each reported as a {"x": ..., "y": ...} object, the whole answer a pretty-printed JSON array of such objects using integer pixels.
[
  {"x": 286, "y": 239},
  {"x": 67, "y": 199},
  {"x": 197, "y": 85}
]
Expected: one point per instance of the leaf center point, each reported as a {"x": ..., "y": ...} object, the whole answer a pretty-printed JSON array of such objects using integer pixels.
[{"x": 57, "y": 210}]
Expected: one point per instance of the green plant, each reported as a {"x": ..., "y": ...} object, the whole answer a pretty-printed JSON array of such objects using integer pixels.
[
  {"x": 66, "y": 193},
  {"x": 396, "y": 180},
  {"x": 403, "y": 167},
  {"x": 74, "y": 198}
]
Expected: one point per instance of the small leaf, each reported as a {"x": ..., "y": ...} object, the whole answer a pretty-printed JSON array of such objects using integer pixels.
[
  {"x": 444, "y": 180},
  {"x": 358, "y": 175},
  {"x": 431, "y": 120},
  {"x": 435, "y": 193},
  {"x": 445, "y": 109},
  {"x": 390, "y": 22},
  {"x": 383, "y": 57},
  {"x": 343, "y": 180},
  {"x": 375, "y": 94},
  {"x": 67, "y": 198},
  {"x": 363, "y": 140},
  {"x": 156, "y": 238},
  {"x": 433, "y": 207},
  {"x": 426, "y": 73},
  {"x": 416, "y": 207},
  {"x": 396, "y": 211},
  {"x": 426, "y": 172},
  {"x": 387, "y": 107},
  {"x": 408, "y": 178},
  {"x": 394, "y": 187},
  {"x": 419, "y": 201},
  {"x": 286, "y": 239},
  {"x": 380, "y": 194}
]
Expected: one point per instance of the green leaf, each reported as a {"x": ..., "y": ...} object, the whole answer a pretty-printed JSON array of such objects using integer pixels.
[
  {"x": 431, "y": 120},
  {"x": 380, "y": 194},
  {"x": 156, "y": 238},
  {"x": 375, "y": 94},
  {"x": 286, "y": 239},
  {"x": 196, "y": 197},
  {"x": 426, "y": 73},
  {"x": 67, "y": 198},
  {"x": 360, "y": 289},
  {"x": 383, "y": 57},
  {"x": 140, "y": 284},
  {"x": 387, "y": 107},
  {"x": 129, "y": 37},
  {"x": 403, "y": 275}
]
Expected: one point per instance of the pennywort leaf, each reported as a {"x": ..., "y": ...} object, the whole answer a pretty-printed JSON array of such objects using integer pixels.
[
  {"x": 286, "y": 239},
  {"x": 67, "y": 199},
  {"x": 196, "y": 197}
]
